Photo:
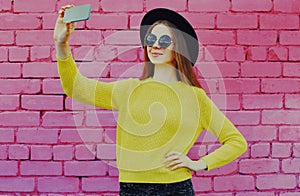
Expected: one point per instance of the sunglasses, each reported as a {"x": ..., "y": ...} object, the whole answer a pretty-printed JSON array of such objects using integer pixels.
[{"x": 164, "y": 41}]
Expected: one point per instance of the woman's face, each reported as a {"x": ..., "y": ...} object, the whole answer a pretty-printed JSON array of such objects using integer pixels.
[{"x": 156, "y": 53}]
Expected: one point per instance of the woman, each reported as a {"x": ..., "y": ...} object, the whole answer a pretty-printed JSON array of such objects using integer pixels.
[{"x": 161, "y": 114}]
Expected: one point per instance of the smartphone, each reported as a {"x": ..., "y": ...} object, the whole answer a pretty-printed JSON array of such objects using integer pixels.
[{"x": 77, "y": 13}]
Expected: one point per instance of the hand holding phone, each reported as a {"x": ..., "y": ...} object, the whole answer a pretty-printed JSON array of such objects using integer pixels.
[{"x": 77, "y": 13}]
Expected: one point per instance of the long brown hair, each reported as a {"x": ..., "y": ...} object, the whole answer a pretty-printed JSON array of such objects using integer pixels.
[{"x": 184, "y": 67}]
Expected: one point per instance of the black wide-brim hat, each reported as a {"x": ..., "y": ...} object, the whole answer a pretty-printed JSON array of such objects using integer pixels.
[{"x": 179, "y": 21}]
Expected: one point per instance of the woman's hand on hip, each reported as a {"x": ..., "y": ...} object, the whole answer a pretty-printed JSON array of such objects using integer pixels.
[
  {"x": 63, "y": 31},
  {"x": 175, "y": 160}
]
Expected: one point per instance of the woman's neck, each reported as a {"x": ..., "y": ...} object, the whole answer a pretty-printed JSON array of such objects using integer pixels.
[{"x": 165, "y": 73}]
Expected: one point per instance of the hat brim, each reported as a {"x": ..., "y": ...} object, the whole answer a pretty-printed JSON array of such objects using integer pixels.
[{"x": 176, "y": 19}]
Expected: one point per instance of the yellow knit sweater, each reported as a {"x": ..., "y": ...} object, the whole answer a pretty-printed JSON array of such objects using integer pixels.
[{"x": 154, "y": 119}]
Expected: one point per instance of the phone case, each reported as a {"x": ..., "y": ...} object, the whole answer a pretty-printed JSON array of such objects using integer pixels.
[{"x": 78, "y": 13}]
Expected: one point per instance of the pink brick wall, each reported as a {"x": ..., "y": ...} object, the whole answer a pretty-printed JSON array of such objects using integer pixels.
[{"x": 249, "y": 65}]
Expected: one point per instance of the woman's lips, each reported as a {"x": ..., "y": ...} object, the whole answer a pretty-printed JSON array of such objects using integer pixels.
[{"x": 156, "y": 53}]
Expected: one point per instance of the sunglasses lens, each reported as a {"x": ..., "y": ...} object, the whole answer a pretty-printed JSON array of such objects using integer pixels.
[
  {"x": 164, "y": 41},
  {"x": 150, "y": 40}
]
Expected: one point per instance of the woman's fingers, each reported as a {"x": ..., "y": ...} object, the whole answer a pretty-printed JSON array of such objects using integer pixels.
[{"x": 63, "y": 9}]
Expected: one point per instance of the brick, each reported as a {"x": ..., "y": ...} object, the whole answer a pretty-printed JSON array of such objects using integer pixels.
[
  {"x": 5, "y": 5},
  {"x": 280, "y": 85},
  {"x": 110, "y": 136},
  {"x": 101, "y": 118},
  {"x": 257, "y": 53},
  {"x": 255, "y": 193},
  {"x": 34, "y": 38},
  {"x": 219, "y": 69},
  {"x": 6, "y": 135},
  {"x": 289, "y": 133},
  {"x": 294, "y": 54},
  {"x": 216, "y": 37},
  {"x": 112, "y": 169},
  {"x": 39, "y": 6},
  {"x": 135, "y": 20},
  {"x": 237, "y": 21},
  {"x": 226, "y": 102},
  {"x": 85, "y": 152},
  {"x": 21, "y": 118},
  {"x": 292, "y": 101},
  {"x": 85, "y": 37},
  {"x": 49, "y": 20},
  {"x": 95, "y": 4},
  {"x": 41, "y": 153},
  {"x": 296, "y": 150},
  {"x": 57, "y": 184},
  {"x": 120, "y": 6},
  {"x": 246, "y": 85},
  {"x": 291, "y": 166},
  {"x": 3, "y": 54},
  {"x": 281, "y": 150},
  {"x": 259, "y": 133},
  {"x": 19, "y": 21},
  {"x": 244, "y": 117},
  {"x": 260, "y": 150},
  {"x": 40, "y": 168},
  {"x": 126, "y": 70},
  {"x": 235, "y": 54},
  {"x": 42, "y": 102},
  {"x": 122, "y": 38},
  {"x": 280, "y": 117},
  {"x": 289, "y": 194},
  {"x": 16, "y": 86},
  {"x": 65, "y": 119},
  {"x": 209, "y": 85},
  {"x": 176, "y": 5},
  {"x": 279, "y": 21},
  {"x": 212, "y": 53},
  {"x": 94, "y": 69},
  {"x": 83, "y": 53},
  {"x": 18, "y": 152},
  {"x": 291, "y": 69},
  {"x": 8, "y": 168},
  {"x": 37, "y": 136},
  {"x": 289, "y": 38},
  {"x": 39, "y": 53},
  {"x": 127, "y": 54},
  {"x": 262, "y": 101},
  {"x": 209, "y": 5},
  {"x": 63, "y": 152},
  {"x": 6, "y": 37},
  {"x": 71, "y": 104},
  {"x": 108, "y": 21},
  {"x": 254, "y": 37},
  {"x": 86, "y": 168},
  {"x": 17, "y": 184},
  {"x": 100, "y": 184},
  {"x": 228, "y": 169},
  {"x": 200, "y": 20},
  {"x": 292, "y": 7},
  {"x": 18, "y": 54},
  {"x": 3, "y": 152},
  {"x": 259, "y": 166},
  {"x": 10, "y": 70},
  {"x": 252, "y": 6},
  {"x": 105, "y": 53},
  {"x": 87, "y": 136},
  {"x": 197, "y": 151},
  {"x": 9, "y": 102},
  {"x": 52, "y": 86},
  {"x": 278, "y": 53},
  {"x": 233, "y": 183},
  {"x": 106, "y": 151},
  {"x": 202, "y": 184},
  {"x": 275, "y": 181}
]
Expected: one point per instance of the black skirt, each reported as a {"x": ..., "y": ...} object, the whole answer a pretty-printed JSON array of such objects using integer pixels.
[{"x": 149, "y": 189}]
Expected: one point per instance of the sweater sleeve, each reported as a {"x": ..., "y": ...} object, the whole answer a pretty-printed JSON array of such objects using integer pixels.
[
  {"x": 106, "y": 95},
  {"x": 214, "y": 121}
]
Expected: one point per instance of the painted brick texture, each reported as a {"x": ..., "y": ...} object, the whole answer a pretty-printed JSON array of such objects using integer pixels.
[{"x": 248, "y": 63}]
